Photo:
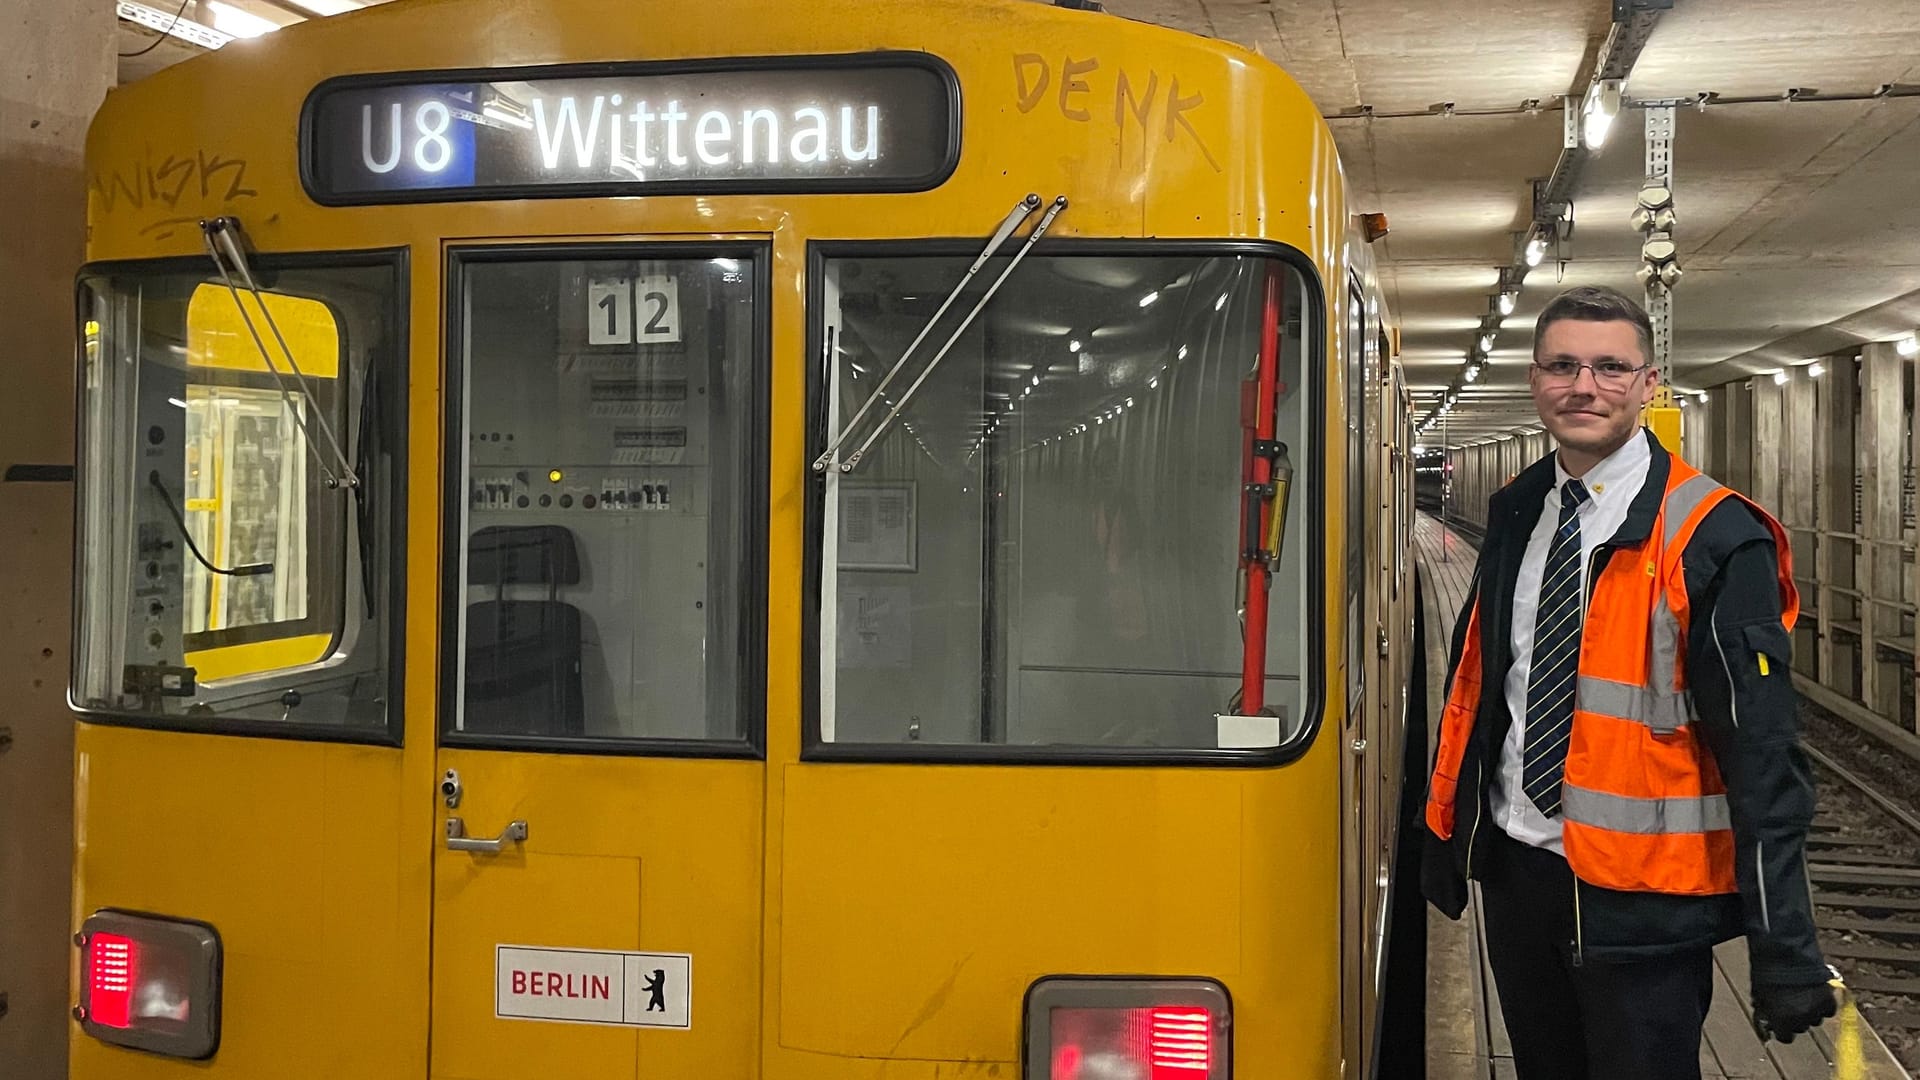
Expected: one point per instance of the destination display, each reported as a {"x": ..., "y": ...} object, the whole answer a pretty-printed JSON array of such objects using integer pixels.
[{"x": 859, "y": 124}]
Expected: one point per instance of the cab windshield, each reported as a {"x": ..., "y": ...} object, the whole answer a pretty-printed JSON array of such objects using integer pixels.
[
  {"x": 234, "y": 571},
  {"x": 1042, "y": 549}
]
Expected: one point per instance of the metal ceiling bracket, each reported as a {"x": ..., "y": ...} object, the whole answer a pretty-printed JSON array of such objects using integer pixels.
[
  {"x": 1660, "y": 132},
  {"x": 1626, "y": 9}
]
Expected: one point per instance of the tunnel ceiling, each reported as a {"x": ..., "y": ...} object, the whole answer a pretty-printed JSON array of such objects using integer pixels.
[{"x": 1799, "y": 221}]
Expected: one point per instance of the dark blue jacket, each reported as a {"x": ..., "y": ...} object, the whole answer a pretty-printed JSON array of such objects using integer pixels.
[{"x": 1729, "y": 567}]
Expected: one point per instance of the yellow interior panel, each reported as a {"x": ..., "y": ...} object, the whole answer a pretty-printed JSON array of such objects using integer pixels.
[
  {"x": 218, "y": 335},
  {"x": 230, "y": 661}
]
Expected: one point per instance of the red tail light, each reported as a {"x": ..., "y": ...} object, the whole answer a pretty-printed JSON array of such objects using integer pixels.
[
  {"x": 150, "y": 983},
  {"x": 1180, "y": 1042},
  {"x": 112, "y": 961},
  {"x": 1136, "y": 1029},
  {"x": 1167, "y": 1043}
]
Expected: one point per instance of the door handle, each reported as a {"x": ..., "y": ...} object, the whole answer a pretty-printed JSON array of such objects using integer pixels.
[{"x": 458, "y": 840}]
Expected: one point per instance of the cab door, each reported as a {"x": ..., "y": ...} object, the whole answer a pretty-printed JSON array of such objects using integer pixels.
[{"x": 597, "y": 872}]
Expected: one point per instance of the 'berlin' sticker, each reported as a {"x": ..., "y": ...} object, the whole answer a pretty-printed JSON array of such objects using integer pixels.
[{"x": 594, "y": 986}]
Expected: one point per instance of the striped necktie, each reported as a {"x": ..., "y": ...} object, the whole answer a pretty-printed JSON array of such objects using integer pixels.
[{"x": 1556, "y": 656}]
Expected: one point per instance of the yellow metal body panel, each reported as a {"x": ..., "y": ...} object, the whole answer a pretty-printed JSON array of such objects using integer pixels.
[
  {"x": 872, "y": 921},
  {"x": 622, "y": 853},
  {"x": 306, "y": 861},
  {"x": 1016, "y": 873}
]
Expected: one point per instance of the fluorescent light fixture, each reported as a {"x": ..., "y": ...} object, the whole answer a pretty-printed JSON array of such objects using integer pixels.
[
  {"x": 329, "y": 7},
  {"x": 1602, "y": 105},
  {"x": 1507, "y": 300},
  {"x": 1074, "y": 345},
  {"x": 231, "y": 20},
  {"x": 1148, "y": 299},
  {"x": 1816, "y": 369},
  {"x": 1486, "y": 343},
  {"x": 1536, "y": 250},
  {"x": 1220, "y": 303},
  {"x": 1036, "y": 380},
  {"x": 1182, "y": 354},
  {"x": 186, "y": 30},
  {"x": 1780, "y": 377},
  {"x": 1908, "y": 346}
]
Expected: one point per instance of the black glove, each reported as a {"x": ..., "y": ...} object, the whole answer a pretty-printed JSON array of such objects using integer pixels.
[{"x": 1785, "y": 1011}]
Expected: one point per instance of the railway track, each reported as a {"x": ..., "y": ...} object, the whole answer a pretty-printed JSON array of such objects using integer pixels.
[{"x": 1863, "y": 860}]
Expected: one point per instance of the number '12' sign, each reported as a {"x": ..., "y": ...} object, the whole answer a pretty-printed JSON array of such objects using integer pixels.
[{"x": 622, "y": 310}]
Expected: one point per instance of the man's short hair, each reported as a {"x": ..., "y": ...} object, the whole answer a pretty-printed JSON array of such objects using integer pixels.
[{"x": 1596, "y": 303}]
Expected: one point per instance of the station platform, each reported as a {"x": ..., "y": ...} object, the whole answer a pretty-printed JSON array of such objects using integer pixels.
[{"x": 1466, "y": 1035}]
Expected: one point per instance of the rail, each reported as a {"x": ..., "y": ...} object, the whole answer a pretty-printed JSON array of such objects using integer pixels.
[{"x": 1865, "y": 891}]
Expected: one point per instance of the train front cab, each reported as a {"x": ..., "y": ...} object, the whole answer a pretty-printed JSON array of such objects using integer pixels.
[{"x": 478, "y": 680}]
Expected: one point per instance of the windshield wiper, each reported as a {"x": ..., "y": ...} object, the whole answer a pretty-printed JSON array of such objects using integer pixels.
[
  {"x": 1021, "y": 211},
  {"x": 220, "y": 234},
  {"x": 370, "y": 425}
]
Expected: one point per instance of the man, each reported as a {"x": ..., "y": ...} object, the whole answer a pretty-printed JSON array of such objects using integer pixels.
[{"x": 1619, "y": 762}]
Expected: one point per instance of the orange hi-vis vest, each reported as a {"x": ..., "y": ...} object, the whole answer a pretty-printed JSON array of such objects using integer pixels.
[{"x": 1643, "y": 805}]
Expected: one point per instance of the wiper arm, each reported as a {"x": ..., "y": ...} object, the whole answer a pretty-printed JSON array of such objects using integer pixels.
[
  {"x": 180, "y": 522},
  {"x": 1020, "y": 212},
  {"x": 370, "y": 423},
  {"x": 1046, "y": 221},
  {"x": 221, "y": 244}
]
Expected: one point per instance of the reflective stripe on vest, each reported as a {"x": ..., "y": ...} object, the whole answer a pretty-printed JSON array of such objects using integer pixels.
[
  {"x": 1663, "y": 711},
  {"x": 1646, "y": 817},
  {"x": 1683, "y": 500}
]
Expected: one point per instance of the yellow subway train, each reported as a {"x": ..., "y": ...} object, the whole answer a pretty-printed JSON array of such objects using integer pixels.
[{"x": 744, "y": 541}]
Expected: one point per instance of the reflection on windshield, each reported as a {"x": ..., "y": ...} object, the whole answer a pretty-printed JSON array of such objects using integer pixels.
[{"x": 1044, "y": 551}]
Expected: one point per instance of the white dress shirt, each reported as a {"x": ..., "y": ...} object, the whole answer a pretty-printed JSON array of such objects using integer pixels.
[{"x": 1612, "y": 484}]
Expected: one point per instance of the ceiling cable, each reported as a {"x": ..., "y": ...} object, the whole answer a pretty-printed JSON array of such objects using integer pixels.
[{"x": 161, "y": 35}]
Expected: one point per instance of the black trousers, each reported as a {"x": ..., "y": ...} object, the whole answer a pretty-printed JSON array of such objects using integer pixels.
[{"x": 1592, "y": 1021}]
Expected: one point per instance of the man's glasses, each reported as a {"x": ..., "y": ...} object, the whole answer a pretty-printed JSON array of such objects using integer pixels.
[{"x": 1612, "y": 374}]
